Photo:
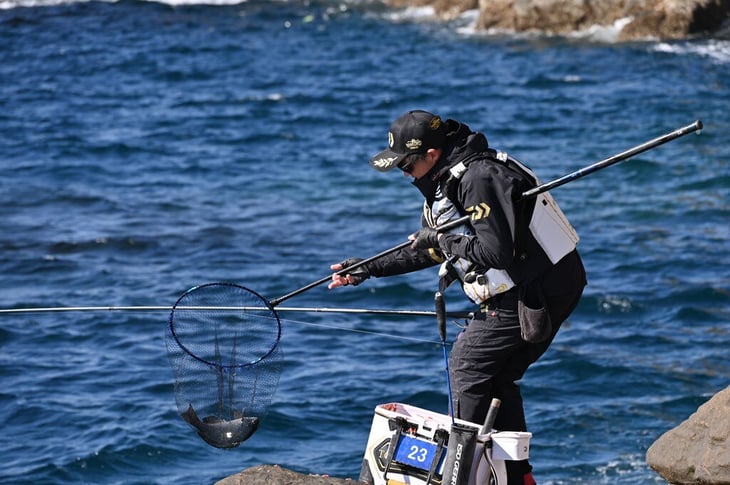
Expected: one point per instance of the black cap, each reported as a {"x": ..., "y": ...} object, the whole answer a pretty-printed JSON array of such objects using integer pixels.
[{"x": 413, "y": 132}]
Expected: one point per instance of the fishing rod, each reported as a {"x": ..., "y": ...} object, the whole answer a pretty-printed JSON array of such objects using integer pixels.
[
  {"x": 580, "y": 173},
  {"x": 619, "y": 157},
  {"x": 410, "y": 313}
]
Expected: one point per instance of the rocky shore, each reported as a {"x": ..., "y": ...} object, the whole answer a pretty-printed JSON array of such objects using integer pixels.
[
  {"x": 698, "y": 450},
  {"x": 635, "y": 19},
  {"x": 695, "y": 452},
  {"x": 276, "y": 475}
]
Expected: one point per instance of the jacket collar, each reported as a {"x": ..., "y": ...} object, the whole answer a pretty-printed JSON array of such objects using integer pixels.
[{"x": 462, "y": 145}]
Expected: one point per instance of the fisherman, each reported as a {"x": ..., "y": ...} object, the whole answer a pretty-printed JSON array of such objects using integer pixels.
[{"x": 516, "y": 258}]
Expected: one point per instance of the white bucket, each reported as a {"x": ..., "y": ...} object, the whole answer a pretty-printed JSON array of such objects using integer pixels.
[
  {"x": 511, "y": 445},
  {"x": 424, "y": 427}
]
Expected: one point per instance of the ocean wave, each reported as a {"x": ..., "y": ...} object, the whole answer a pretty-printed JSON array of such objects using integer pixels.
[
  {"x": 715, "y": 49},
  {"x": 10, "y": 4},
  {"x": 609, "y": 34},
  {"x": 603, "y": 33},
  {"x": 411, "y": 14}
]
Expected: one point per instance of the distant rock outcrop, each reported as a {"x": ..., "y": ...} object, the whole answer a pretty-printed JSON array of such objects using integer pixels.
[
  {"x": 698, "y": 450},
  {"x": 636, "y": 19}
]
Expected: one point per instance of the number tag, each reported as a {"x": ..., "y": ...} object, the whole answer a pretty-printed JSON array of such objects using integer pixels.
[{"x": 415, "y": 452}]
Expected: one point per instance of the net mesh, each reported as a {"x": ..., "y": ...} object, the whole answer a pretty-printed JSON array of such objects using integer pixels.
[{"x": 223, "y": 345}]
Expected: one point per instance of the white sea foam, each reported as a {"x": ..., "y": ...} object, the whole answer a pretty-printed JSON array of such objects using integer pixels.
[
  {"x": 176, "y": 3},
  {"x": 467, "y": 22},
  {"x": 717, "y": 49},
  {"x": 9, "y": 4},
  {"x": 595, "y": 33},
  {"x": 603, "y": 33},
  {"x": 411, "y": 14}
]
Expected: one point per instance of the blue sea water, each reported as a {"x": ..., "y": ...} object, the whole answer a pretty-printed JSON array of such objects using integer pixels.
[{"x": 150, "y": 147}]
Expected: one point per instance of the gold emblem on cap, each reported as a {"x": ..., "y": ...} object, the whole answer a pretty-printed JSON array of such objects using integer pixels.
[
  {"x": 391, "y": 141},
  {"x": 414, "y": 144},
  {"x": 384, "y": 162},
  {"x": 435, "y": 123}
]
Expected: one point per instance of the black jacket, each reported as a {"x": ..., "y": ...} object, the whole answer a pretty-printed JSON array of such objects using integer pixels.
[{"x": 490, "y": 190}]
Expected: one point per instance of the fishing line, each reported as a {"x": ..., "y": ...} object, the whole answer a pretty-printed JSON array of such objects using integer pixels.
[
  {"x": 364, "y": 311},
  {"x": 369, "y": 311},
  {"x": 368, "y": 332},
  {"x": 292, "y": 309}
]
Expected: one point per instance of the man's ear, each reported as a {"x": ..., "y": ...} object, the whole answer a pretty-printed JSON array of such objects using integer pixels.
[{"x": 433, "y": 154}]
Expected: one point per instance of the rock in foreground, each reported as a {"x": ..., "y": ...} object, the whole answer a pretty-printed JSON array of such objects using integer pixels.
[
  {"x": 698, "y": 450},
  {"x": 276, "y": 475}
]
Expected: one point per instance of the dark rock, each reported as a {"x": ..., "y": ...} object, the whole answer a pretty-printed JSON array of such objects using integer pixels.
[
  {"x": 276, "y": 475},
  {"x": 698, "y": 450}
]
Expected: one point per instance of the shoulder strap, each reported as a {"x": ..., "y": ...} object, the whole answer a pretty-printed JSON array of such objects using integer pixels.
[{"x": 456, "y": 171}]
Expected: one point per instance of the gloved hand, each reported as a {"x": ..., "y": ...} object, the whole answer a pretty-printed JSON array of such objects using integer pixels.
[
  {"x": 354, "y": 277},
  {"x": 425, "y": 238}
]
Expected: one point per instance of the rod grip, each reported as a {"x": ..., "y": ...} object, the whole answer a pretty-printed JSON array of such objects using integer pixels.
[
  {"x": 440, "y": 314},
  {"x": 491, "y": 416}
]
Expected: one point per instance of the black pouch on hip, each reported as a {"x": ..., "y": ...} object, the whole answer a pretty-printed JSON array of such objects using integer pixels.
[{"x": 535, "y": 324}]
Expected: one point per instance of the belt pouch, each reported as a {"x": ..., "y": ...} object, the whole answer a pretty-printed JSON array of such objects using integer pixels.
[{"x": 535, "y": 324}]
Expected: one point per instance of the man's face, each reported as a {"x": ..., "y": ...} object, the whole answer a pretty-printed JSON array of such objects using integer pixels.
[{"x": 424, "y": 164}]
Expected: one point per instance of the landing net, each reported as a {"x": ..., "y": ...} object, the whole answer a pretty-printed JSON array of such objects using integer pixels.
[{"x": 223, "y": 345}]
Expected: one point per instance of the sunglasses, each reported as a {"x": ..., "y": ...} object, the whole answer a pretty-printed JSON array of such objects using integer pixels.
[{"x": 407, "y": 164}]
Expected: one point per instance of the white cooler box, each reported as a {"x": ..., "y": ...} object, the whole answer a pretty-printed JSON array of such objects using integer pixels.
[{"x": 421, "y": 438}]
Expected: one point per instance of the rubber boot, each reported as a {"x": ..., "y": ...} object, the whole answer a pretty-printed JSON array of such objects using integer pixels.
[{"x": 519, "y": 473}]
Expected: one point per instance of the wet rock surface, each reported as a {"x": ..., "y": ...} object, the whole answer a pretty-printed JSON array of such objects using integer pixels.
[
  {"x": 698, "y": 450},
  {"x": 276, "y": 475}
]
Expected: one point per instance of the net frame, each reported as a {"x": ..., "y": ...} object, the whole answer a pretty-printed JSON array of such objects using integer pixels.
[
  {"x": 203, "y": 330},
  {"x": 267, "y": 306}
]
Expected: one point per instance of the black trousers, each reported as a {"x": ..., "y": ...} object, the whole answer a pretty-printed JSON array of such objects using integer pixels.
[{"x": 489, "y": 356}]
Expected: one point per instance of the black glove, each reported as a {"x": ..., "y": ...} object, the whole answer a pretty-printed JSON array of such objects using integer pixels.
[
  {"x": 425, "y": 238},
  {"x": 357, "y": 275}
]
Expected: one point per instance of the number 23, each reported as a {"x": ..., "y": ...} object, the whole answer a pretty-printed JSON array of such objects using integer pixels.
[{"x": 418, "y": 454}]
